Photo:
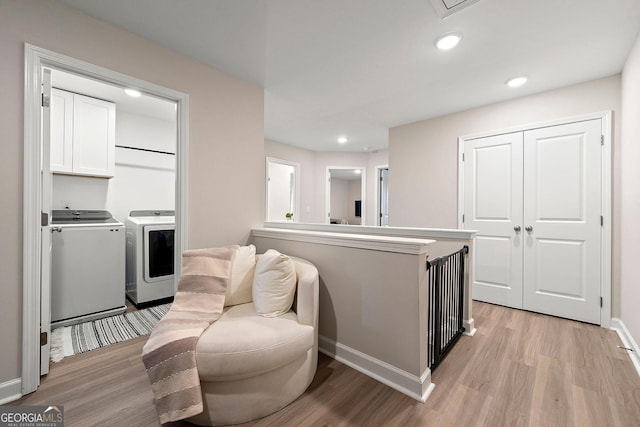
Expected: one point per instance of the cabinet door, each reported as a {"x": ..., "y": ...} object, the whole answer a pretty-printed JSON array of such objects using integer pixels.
[
  {"x": 563, "y": 196},
  {"x": 493, "y": 207},
  {"x": 93, "y": 136},
  {"x": 61, "y": 131}
]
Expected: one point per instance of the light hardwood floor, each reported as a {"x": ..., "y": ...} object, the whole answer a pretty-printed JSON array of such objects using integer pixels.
[{"x": 520, "y": 369}]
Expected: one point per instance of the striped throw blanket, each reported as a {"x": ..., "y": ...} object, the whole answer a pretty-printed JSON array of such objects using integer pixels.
[{"x": 170, "y": 353}]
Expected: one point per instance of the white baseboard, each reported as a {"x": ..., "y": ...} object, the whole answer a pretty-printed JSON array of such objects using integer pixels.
[
  {"x": 628, "y": 341},
  {"x": 469, "y": 328},
  {"x": 10, "y": 390},
  {"x": 418, "y": 388}
]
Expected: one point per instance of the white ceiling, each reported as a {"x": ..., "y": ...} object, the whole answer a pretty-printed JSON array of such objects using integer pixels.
[
  {"x": 358, "y": 67},
  {"x": 145, "y": 105}
]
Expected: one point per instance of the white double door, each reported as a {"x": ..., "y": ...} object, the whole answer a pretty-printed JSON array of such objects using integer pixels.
[{"x": 535, "y": 198}]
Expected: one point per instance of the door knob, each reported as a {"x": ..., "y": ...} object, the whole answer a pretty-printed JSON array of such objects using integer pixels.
[
  {"x": 529, "y": 228},
  {"x": 517, "y": 228}
]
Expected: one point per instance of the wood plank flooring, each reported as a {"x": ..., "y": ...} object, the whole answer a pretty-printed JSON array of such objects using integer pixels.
[{"x": 520, "y": 369}]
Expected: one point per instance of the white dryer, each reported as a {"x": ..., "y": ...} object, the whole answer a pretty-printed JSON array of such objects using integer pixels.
[{"x": 150, "y": 255}]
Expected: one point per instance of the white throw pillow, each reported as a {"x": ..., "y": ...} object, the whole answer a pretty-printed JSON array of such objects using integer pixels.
[
  {"x": 274, "y": 284},
  {"x": 241, "y": 281}
]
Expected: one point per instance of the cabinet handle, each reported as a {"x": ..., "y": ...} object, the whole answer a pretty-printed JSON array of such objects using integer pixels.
[
  {"x": 529, "y": 228},
  {"x": 517, "y": 228}
]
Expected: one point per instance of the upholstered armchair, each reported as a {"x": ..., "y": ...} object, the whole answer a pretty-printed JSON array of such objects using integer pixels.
[{"x": 255, "y": 360}]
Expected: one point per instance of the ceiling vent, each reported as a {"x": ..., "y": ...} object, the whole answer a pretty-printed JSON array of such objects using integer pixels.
[{"x": 449, "y": 7}]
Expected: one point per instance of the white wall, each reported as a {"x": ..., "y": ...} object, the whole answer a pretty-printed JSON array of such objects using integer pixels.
[
  {"x": 630, "y": 194},
  {"x": 139, "y": 131},
  {"x": 423, "y": 160},
  {"x": 142, "y": 181},
  {"x": 226, "y": 135}
]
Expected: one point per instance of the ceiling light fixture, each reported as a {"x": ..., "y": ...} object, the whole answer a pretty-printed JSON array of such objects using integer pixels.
[
  {"x": 448, "y": 41},
  {"x": 517, "y": 81},
  {"x": 132, "y": 93},
  {"x": 342, "y": 139}
]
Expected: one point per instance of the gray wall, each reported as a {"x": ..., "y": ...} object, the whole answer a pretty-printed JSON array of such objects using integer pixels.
[{"x": 630, "y": 193}]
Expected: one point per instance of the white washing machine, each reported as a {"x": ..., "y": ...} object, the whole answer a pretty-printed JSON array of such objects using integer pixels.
[
  {"x": 87, "y": 266},
  {"x": 150, "y": 255}
]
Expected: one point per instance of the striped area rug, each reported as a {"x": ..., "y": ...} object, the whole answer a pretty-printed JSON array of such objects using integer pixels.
[{"x": 75, "y": 339}]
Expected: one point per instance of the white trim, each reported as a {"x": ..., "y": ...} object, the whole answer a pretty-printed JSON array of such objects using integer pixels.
[
  {"x": 402, "y": 245},
  {"x": 10, "y": 391},
  {"x": 627, "y": 341},
  {"x": 296, "y": 166},
  {"x": 605, "y": 248},
  {"x": 605, "y": 242},
  {"x": 418, "y": 388},
  {"x": 32, "y": 191},
  {"x": 418, "y": 233},
  {"x": 460, "y": 182},
  {"x": 537, "y": 125},
  {"x": 35, "y": 59},
  {"x": 376, "y": 194},
  {"x": 363, "y": 192},
  {"x": 469, "y": 326}
]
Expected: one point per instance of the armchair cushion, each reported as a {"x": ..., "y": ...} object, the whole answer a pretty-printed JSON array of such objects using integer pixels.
[
  {"x": 274, "y": 284},
  {"x": 242, "y": 344},
  {"x": 240, "y": 285}
]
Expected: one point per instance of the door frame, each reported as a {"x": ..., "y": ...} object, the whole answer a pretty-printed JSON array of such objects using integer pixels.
[
  {"x": 606, "y": 208},
  {"x": 36, "y": 59},
  {"x": 376, "y": 197}
]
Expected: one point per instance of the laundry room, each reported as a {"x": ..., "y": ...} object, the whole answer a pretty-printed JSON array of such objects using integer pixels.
[{"x": 112, "y": 197}]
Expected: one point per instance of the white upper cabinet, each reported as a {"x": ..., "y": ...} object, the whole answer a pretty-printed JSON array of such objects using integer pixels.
[
  {"x": 61, "y": 131},
  {"x": 82, "y": 135}
]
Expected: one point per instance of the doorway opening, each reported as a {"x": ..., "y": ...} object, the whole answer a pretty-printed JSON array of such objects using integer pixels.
[
  {"x": 38, "y": 190},
  {"x": 283, "y": 190},
  {"x": 345, "y": 196}
]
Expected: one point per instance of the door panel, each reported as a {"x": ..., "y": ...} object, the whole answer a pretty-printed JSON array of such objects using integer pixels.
[
  {"x": 554, "y": 278},
  {"x": 93, "y": 136},
  {"x": 562, "y": 207},
  {"x": 493, "y": 206}
]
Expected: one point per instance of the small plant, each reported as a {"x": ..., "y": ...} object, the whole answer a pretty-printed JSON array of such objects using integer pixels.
[{"x": 289, "y": 215}]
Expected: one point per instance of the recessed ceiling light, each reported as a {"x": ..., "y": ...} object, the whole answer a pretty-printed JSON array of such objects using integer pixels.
[
  {"x": 342, "y": 139},
  {"x": 132, "y": 93},
  {"x": 448, "y": 41},
  {"x": 517, "y": 81}
]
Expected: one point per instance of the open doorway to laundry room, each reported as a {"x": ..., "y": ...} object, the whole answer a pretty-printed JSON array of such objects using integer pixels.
[{"x": 41, "y": 199}]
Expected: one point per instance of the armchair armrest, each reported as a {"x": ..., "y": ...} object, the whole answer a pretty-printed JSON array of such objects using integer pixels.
[{"x": 307, "y": 292}]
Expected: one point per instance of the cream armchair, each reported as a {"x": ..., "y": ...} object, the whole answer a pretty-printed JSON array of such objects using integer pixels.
[{"x": 252, "y": 366}]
